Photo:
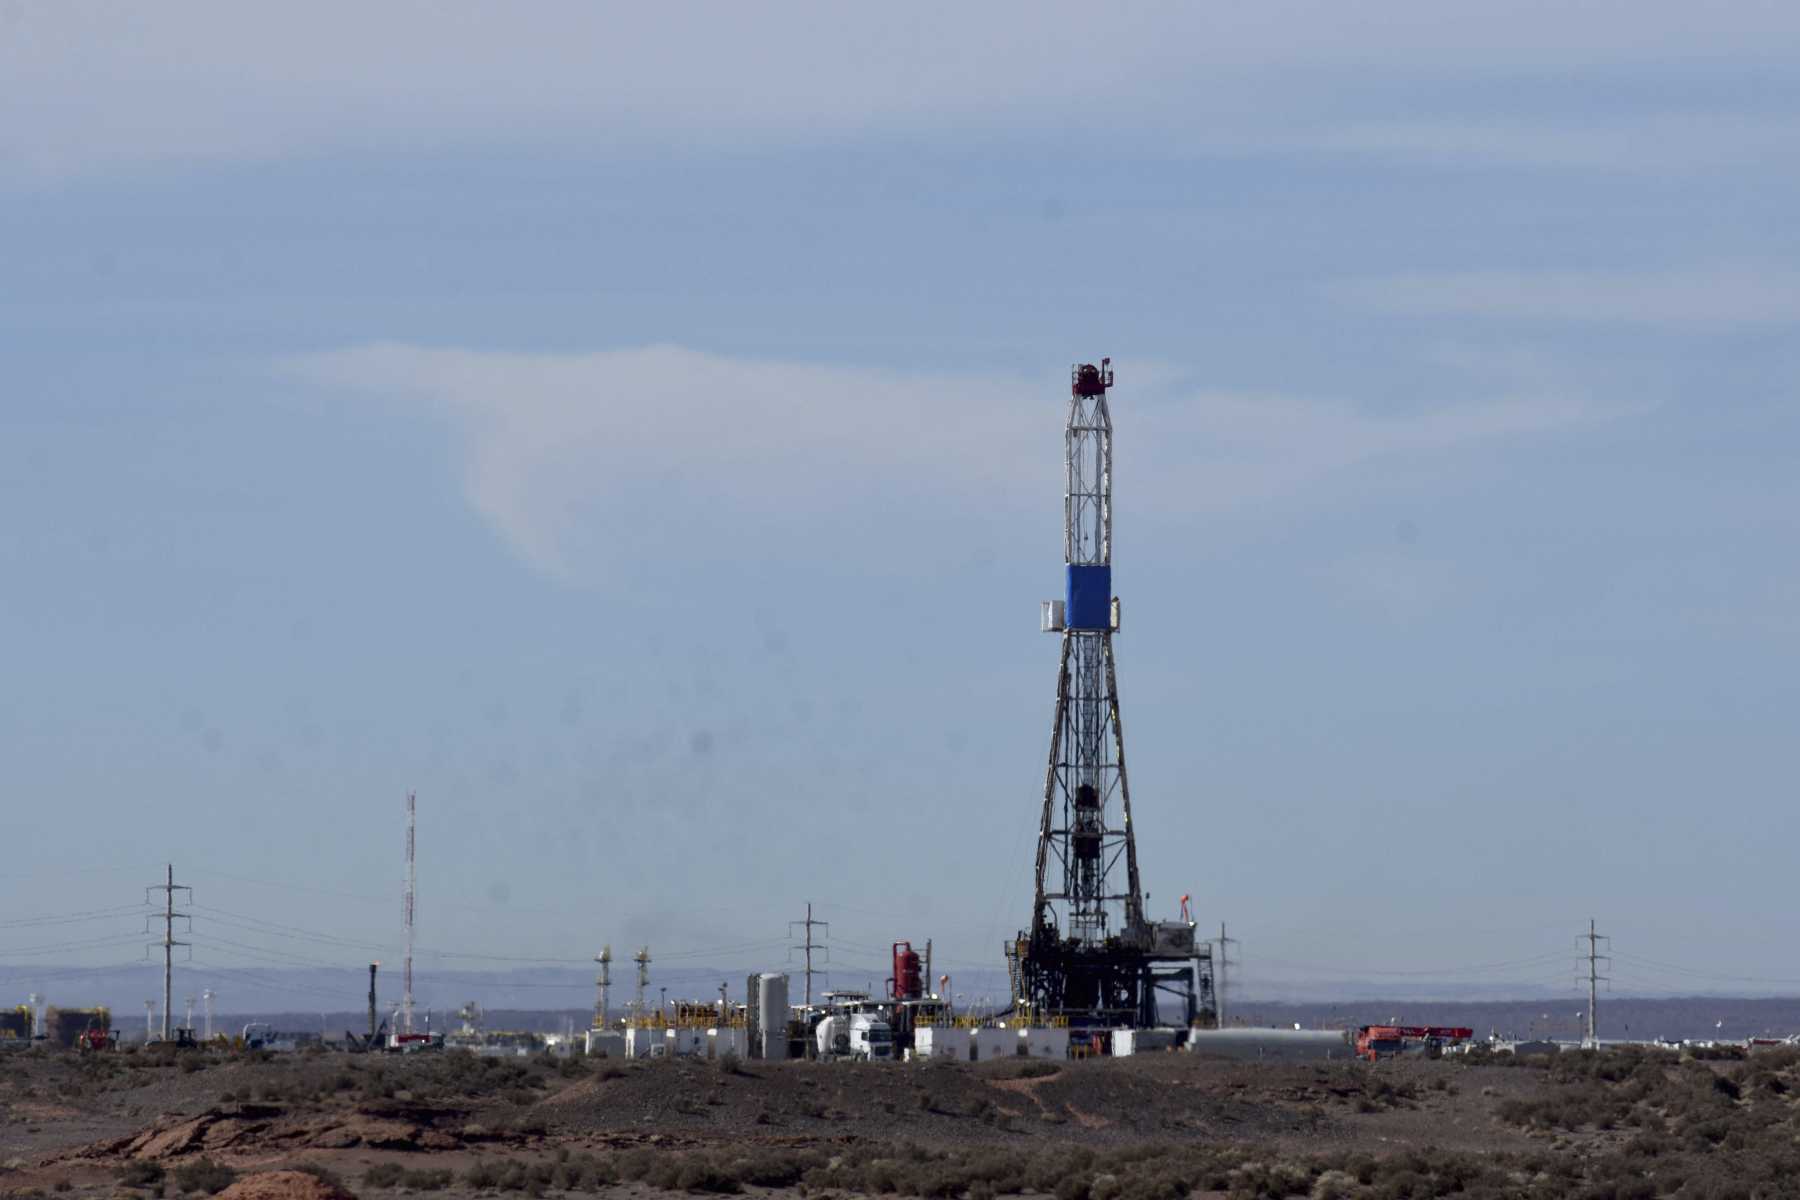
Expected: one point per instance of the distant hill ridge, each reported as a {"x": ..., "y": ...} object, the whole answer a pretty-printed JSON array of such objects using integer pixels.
[{"x": 544, "y": 999}]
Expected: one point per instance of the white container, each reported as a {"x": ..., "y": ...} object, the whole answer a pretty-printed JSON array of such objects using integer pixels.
[
  {"x": 1141, "y": 1041},
  {"x": 942, "y": 1042},
  {"x": 995, "y": 1043},
  {"x": 686, "y": 1043},
  {"x": 727, "y": 1040},
  {"x": 1271, "y": 1045},
  {"x": 609, "y": 1042},
  {"x": 1044, "y": 1043},
  {"x": 646, "y": 1043}
]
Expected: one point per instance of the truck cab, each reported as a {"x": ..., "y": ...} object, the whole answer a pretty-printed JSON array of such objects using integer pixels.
[{"x": 871, "y": 1038}]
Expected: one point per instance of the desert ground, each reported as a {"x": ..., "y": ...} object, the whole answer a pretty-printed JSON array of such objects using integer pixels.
[{"x": 133, "y": 1125}]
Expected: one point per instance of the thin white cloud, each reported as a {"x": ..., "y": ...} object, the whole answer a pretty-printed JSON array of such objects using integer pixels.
[
  {"x": 1706, "y": 298},
  {"x": 94, "y": 82},
  {"x": 585, "y": 462}
]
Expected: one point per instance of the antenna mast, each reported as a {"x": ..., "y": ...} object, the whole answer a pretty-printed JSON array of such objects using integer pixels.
[{"x": 412, "y": 880}]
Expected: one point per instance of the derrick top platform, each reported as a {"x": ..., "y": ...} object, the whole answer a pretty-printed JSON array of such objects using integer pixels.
[{"x": 1085, "y": 379}]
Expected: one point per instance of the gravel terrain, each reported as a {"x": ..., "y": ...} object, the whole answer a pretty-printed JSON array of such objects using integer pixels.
[{"x": 1156, "y": 1127}]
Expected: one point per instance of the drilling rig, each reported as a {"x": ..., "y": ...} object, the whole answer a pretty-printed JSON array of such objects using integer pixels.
[{"x": 1091, "y": 957}]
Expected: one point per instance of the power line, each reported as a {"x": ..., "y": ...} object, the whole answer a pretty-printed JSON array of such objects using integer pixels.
[
  {"x": 96, "y": 914},
  {"x": 36, "y": 977},
  {"x": 59, "y": 947},
  {"x": 295, "y": 932},
  {"x": 1473, "y": 968},
  {"x": 1650, "y": 962},
  {"x": 242, "y": 974},
  {"x": 275, "y": 956}
]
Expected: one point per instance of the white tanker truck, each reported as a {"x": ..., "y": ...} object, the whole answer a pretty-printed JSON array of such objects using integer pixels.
[{"x": 861, "y": 1036}]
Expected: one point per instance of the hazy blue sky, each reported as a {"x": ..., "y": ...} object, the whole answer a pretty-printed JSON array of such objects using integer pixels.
[{"x": 638, "y": 429}]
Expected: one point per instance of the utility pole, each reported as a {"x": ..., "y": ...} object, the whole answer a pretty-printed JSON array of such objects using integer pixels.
[
  {"x": 809, "y": 945},
  {"x": 602, "y": 986},
  {"x": 168, "y": 889},
  {"x": 1593, "y": 939},
  {"x": 642, "y": 959},
  {"x": 412, "y": 879},
  {"x": 1219, "y": 971}
]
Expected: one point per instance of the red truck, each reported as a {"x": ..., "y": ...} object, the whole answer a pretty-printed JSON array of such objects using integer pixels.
[{"x": 1374, "y": 1041}]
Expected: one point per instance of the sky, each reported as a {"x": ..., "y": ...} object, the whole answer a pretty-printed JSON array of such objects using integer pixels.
[{"x": 638, "y": 430}]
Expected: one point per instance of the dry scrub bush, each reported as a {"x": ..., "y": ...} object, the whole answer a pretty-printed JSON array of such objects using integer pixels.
[{"x": 204, "y": 1175}]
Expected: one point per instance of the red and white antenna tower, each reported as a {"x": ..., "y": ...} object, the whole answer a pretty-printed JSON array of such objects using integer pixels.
[{"x": 412, "y": 880}]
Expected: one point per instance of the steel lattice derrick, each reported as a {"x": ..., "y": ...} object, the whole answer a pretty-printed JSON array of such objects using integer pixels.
[{"x": 1090, "y": 955}]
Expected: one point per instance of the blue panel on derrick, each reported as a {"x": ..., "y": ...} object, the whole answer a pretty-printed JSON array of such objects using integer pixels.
[{"x": 1090, "y": 597}]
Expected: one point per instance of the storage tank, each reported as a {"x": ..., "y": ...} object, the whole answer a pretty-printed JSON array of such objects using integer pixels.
[
  {"x": 1272, "y": 1045},
  {"x": 772, "y": 1015},
  {"x": 908, "y": 980},
  {"x": 831, "y": 1036},
  {"x": 63, "y": 1025}
]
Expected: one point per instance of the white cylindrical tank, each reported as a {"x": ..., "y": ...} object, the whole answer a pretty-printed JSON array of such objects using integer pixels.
[
  {"x": 772, "y": 1011},
  {"x": 1273, "y": 1045},
  {"x": 832, "y": 1036}
]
